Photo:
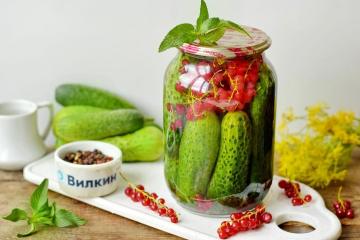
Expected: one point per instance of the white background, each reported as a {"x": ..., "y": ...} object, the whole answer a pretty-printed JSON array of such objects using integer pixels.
[{"x": 113, "y": 44}]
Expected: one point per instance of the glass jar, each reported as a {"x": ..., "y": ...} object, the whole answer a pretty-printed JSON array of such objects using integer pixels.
[{"x": 219, "y": 115}]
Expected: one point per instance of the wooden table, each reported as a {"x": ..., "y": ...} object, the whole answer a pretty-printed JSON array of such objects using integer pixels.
[{"x": 15, "y": 192}]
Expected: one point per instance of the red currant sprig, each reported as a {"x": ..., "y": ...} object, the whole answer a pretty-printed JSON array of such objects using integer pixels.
[
  {"x": 343, "y": 207},
  {"x": 292, "y": 190},
  {"x": 244, "y": 221},
  {"x": 156, "y": 204},
  {"x": 138, "y": 194}
]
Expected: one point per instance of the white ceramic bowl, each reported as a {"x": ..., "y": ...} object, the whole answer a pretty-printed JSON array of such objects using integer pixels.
[{"x": 88, "y": 180}]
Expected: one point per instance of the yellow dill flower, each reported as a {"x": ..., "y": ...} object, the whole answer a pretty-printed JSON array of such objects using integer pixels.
[{"x": 320, "y": 152}]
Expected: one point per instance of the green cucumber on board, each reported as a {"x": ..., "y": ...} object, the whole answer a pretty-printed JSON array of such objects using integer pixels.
[
  {"x": 231, "y": 172},
  {"x": 262, "y": 118},
  {"x": 198, "y": 152},
  {"x": 78, "y": 94},
  {"x": 145, "y": 144},
  {"x": 98, "y": 125}
]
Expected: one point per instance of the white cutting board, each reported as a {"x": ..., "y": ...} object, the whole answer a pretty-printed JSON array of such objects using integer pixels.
[{"x": 192, "y": 226}]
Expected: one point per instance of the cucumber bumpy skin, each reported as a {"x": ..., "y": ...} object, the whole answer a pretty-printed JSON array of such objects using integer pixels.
[
  {"x": 197, "y": 156},
  {"x": 78, "y": 94},
  {"x": 98, "y": 125},
  {"x": 145, "y": 144},
  {"x": 172, "y": 138},
  {"x": 262, "y": 117},
  {"x": 231, "y": 172}
]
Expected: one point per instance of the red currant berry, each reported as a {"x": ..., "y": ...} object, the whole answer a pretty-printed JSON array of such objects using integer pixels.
[
  {"x": 128, "y": 191},
  {"x": 236, "y": 226},
  {"x": 145, "y": 202},
  {"x": 161, "y": 200},
  {"x": 171, "y": 212},
  {"x": 222, "y": 235},
  {"x": 140, "y": 187},
  {"x": 162, "y": 211},
  {"x": 336, "y": 205},
  {"x": 347, "y": 204},
  {"x": 283, "y": 184},
  {"x": 340, "y": 213},
  {"x": 297, "y": 201},
  {"x": 253, "y": 223},
  {"x": 244, "y": 223},
  {"x": 134, "y": 197},
  {"x": 308, "y": 198},
  {"x": 180, "y": 109},
  {"x": 266, "y": 217},
  {"x": 260, "y": 209},
  {"x": 178, "y": 124},
  {"x": 179, "y": 87},
  {"x": 154, "y": 195},
  {"x": 185, "y": 62},
  {"x": 153, "y": 206},
  {"x": 350, "y": 213},
  {"x": 140, "y": 196},
  {"x": 174, "y": 219},
  {"x": 236, "y": 216},
  {"x": 289, "y": 194}
]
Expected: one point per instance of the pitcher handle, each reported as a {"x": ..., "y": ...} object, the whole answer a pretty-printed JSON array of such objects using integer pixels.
[{"x": 50, "y": 107}]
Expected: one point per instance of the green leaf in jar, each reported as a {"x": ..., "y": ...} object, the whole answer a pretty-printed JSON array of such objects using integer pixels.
[
  {"x": 183, "y": 33},
  {"x": 204, "y": 15}
]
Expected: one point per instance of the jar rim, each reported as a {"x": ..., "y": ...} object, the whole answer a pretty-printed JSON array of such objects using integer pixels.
[{"x": 232, "y": 44}]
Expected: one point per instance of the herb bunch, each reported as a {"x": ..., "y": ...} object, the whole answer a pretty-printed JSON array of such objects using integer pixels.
[
  {"x": 207, "y": 30},
  {"x": 43, "y": 214}
]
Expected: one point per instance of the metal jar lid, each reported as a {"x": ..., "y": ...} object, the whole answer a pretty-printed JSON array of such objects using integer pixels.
[{"x": 232, "y": 44}]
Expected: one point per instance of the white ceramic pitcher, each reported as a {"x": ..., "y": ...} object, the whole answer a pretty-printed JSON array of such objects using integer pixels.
[{"x": 20, "y": 140}]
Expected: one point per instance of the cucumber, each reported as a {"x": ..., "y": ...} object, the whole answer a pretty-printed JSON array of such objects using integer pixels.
[
  {"x": 262, "y": 117},
  {"x": 77, "y": 94},
  {"x": 197, "y": 156},
  {"x": 172, "y": 138},
  {"x": 145, "y": 144},
  {"x": 231, "y": 172},
  {"x": 71, "y": 110},
  {"x": 59, "y": 142},
  {"x": 98, "y": 125}
]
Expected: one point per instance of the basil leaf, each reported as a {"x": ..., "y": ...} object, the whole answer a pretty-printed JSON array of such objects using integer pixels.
[
  {"x": 39, "y": 196},
  {"x": 212, "y": 37},
  {"x": 31, "y": 231},
  {"x": 65, "y": 218},
  {"x": 204, "y": 14},
  {"x": 183, "y": 33},
  {"x": 209, "y": 25},
  {"x": 46, "y": 220},
  {"x": 234, "y": 26},
  {"x": 16, "y": 215}
]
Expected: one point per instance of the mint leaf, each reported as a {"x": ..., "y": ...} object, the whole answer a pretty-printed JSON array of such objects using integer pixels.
[
  {"x": 234, "y": 26},
  {"x": 31, "y": 231},
  {"x": 212, "y": 37},
  {"x": 209, "y": 25},
  {"x": 16, "y": 215},
  {"x": 39, "y": 196},
  {"x": 204, "y": 14},
  {"x": 65, "y": 218},
  {"x": 183, "y": 33}
]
